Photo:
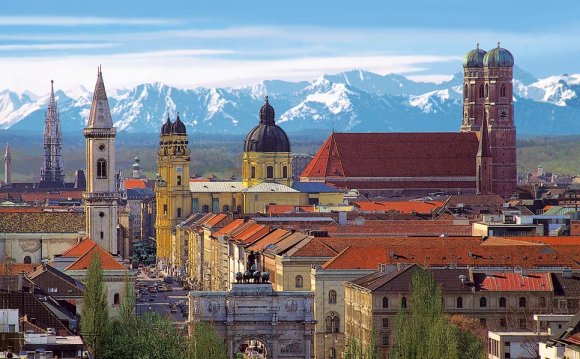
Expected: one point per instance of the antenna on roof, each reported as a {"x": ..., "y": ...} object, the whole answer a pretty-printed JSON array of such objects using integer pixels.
[{"x": 478, "y": 45}]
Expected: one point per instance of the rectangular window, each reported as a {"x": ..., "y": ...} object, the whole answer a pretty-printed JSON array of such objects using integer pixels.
[
  {"x": 385, "y": 339},
  {"x": 270, "y": 171},
  {"x": 165, "y": 210},
  {"x": 385, "y": 322},
  {"x": 11, "y": 328},
  {"x": 179, "y": 213},
  {"x": 253, "y": 172},
  {"x": 195, "y": 205},
  {"x": 215, "y": 205}
]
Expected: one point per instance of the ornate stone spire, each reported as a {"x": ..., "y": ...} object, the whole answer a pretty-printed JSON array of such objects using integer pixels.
[
  {"x": 52, "y": 172},
  {"x": 100, "y": 116},
  {"x": 7, "y": 160}
]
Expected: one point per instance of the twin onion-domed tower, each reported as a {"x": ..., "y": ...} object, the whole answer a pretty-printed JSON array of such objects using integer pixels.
[
  {"x": 172, "y": 193},
  {"x": 488, "y": 110},
  {"x": 266, "y": 156}
]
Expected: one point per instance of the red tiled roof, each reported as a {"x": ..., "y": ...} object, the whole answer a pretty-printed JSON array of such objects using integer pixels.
[
  {"x": 229, "y": 228},
  {"x": 215, "y": 220},
  {"x": 20, "y": 209},
  {"x": 509, "y": 281},
  {"x": 271, "y": 238},
  {"x": 41, "y": 196},
  {"x": 401, "y": 227},
  {"x": 16, "y": 268},
  {"x": 79, "y": 249},
  {"x": 395, "y": 155},
  {"x": 252, "y": 233},
  {"x": 402, "y": 207},
  {"x": 282, "y": 208},
  {"x": 108, "y": 262},
  {"x": 131, "y": 183}
]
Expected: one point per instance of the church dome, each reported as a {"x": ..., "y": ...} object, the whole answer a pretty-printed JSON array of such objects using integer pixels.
[
  {"x": 166, "y": 128},
  {"x": 474, "y": 58},
  {"x": 178, "y": 127},
  {"x": 498, "y": 57},
  {"x": 267, "y": 136}
]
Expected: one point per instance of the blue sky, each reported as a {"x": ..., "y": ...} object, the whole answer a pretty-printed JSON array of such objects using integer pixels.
[{"x": 233, "y": 43}]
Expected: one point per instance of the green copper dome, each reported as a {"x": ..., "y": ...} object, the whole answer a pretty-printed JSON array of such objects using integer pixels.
[
  {"x": 474, "y": 58},
  {"x": 498, "y": 57}
]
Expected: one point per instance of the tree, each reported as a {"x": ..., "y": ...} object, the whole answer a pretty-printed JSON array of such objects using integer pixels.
[
  {"x": 353, "y": 349},
  {"x": 95, "y": 323},
  {"x": 205, "y": 342},
  {"x": 424, "y": 332},
  {"x": 372, "y": 350},
  {"x": 124, "y": 328}
]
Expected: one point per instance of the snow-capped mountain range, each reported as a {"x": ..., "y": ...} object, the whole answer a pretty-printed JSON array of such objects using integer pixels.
[{"x": 350, "y": 101}]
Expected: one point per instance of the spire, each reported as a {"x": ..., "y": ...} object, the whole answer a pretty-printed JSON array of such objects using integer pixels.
[
  {"x": 7, "y": 154},
  {"x": 100, "y": 116},
  {"x": 52, "y": 171},
  {"x": 7, "y": 160}
]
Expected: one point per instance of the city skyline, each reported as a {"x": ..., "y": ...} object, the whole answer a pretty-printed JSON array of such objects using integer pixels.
[{"x": 234, "y": 44}]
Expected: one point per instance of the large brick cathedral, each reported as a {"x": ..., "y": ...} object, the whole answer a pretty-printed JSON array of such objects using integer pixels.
[{"x": 481, "y": 158}]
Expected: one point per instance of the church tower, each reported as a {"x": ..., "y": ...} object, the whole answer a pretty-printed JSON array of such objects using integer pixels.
[
  {"x": 7, "y": 160},
  {"x": 473, "y": 90},
  {"x": 173, "y": 196},
  {"x": 266, "y": 154},
  {"x": 499, "y": 110},
  {"x": 52, "y": 172},
  {"x": 101, "y": 197}
]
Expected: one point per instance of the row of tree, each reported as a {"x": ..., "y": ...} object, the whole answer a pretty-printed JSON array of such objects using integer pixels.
[
  {"x": 130, "y": 336},
  {"x": 424, "y": 331}
]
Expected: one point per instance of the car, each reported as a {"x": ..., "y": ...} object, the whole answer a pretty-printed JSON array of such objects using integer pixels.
[
  {"x": 151, "y": 299},
  {"x": 142, "y": 299},
  {"x": 168, "y": 280}
]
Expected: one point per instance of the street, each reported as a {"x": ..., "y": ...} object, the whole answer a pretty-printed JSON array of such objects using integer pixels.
[{"x": 160, "y": 302}]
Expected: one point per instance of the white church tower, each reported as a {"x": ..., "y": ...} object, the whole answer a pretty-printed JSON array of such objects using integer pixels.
[{"x": 101, "y": 197}]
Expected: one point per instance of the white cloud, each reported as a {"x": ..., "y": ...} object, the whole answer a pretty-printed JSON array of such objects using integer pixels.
[
  {"x": 20, "y": 47},
  {"x": 188, "y": 68},
  {"x": 77, "y": 21}
]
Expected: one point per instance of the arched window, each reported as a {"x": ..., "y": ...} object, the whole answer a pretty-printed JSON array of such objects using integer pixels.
[
  {"x": 480, "y": 91},
  {"x": 332, "y": 322},
  {"x": 179, "y": 213},
  {"x": 116, "y": 299},
  {"x": 101, "y": 168},
  {"x": 486, "y": 90},
  {"x": 465, "y": 91},
  {"x": 522, "y": 302},
  {"x": 483, "y": 302},
  {"x": 459, "y": 302},
  {"x": 179, "y": 180},
  {"x": 285, "y": 171},
  {"x": 542, "y": 302},
  {"x": 502, "y": 90},
  {"x": 253, "y": 172},
  {"x": 226, "y": 208},
  {"x": 385, "y": 302},
  {"x": 299, "y": 281},
  {"x": 332, "y": 297},
  {"x": 27, "y": 260},
  {"x": 270, "y": 171},
  {"x": 404, "y": 302},
  {"x": 502, "y": 302}
]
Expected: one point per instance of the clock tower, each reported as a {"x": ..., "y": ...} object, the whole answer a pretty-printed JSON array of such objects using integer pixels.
[
  {"x": 173, "y": 196},
  {"x": 499, "y": 111},
  {"x": 101, "y": 197}
]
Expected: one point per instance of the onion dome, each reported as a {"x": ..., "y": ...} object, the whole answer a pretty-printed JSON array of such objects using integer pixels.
[
  {"x": 178, "y": 127},
  {"x": 498, "y": 57},
  {"x": 267, "y": 136},
  {"x": 166, "y": 128},
  {"x": 474, "y": 58}
]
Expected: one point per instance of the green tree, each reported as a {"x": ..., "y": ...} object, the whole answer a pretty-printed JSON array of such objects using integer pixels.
[
  {"x": 423, "y": 332},
  {"x": 122, "y": 343},
  {"x": 372, "y": 350},
  {"x": 95, "y": 322},
  {"x": 353, "y": 349},
  {"x": 206, "y": 343}
]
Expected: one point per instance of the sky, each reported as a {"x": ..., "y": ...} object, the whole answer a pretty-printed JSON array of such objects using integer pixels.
[{"x": 235, "y": 43}]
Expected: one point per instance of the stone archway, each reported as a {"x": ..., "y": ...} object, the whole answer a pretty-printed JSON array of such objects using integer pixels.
[{"x": 252, "y": 348}]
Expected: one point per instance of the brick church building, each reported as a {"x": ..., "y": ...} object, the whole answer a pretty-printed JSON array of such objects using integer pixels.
[{"x": 481, "y": 158}]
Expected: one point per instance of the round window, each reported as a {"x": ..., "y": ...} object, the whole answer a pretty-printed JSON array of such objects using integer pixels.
[
  {"x": 101, "y": 214},
  {"x": 102, "y": 147}
]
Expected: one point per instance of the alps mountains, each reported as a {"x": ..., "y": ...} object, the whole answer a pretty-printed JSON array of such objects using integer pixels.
[{"x": 355, "y": 101}]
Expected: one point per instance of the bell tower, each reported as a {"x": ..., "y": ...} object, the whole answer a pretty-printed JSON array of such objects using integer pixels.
[
  {"x": 498, "y": 68},
  {"x": 172, "y": 187},
  {"x": 101, "y": 197},
  {"x": 474, "y": 90}
]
